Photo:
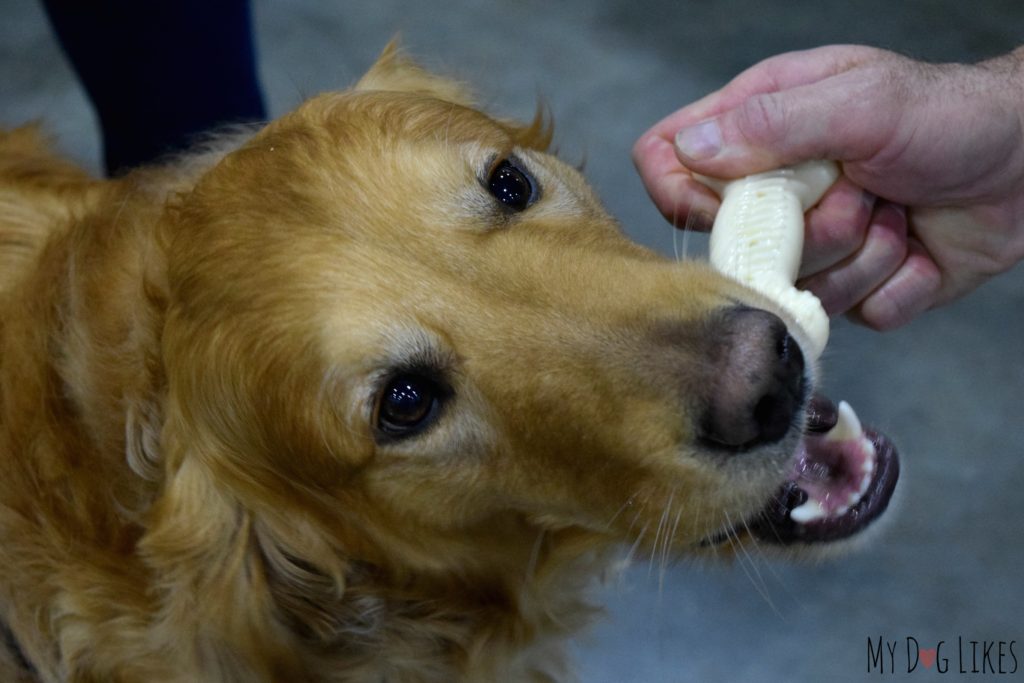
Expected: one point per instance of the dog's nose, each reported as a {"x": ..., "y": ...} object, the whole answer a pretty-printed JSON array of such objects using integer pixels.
[{"x": 758, "y": 384}]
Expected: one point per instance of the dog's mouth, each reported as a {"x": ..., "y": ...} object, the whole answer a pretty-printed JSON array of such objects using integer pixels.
[{"x": 841, "y": 480}]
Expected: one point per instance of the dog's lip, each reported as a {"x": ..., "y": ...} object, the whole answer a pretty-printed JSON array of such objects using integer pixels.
[{"x": 775, "y": 523}]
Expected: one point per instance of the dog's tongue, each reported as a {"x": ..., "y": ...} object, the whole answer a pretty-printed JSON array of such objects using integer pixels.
[{"x": 841, "y": 480}]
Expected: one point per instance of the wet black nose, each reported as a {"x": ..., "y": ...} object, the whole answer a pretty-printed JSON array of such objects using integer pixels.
[{"x": 758, "y": 382}]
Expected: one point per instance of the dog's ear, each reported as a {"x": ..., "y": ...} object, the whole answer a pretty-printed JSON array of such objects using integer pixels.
[
  {"x": 146, "y": 383},
  {"x": 254, "y": 579},
  {"x": 395, "y": 72},
  {"x": 146, "y": 390},
  {"x": 211, "y": 601}
]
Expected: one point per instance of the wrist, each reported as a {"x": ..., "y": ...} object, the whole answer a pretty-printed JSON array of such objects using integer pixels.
[
  {"x": 1009, "y": 69},
  {"x": 1014, "y": 72},
  {"x": 1008, "y": 72},
  {"x": 1004, "y": 86}
]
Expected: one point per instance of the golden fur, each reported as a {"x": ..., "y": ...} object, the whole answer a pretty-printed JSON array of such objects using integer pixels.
[{"x": 190, "y": 484}]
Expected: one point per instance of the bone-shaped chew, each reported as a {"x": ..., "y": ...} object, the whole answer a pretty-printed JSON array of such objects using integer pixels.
[{"x": 758, "y": 239}]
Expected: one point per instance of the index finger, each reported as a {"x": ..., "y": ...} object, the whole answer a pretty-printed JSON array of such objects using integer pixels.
[
  {"x": 781, "y": 72},
  {"x": 671, "y": 186}
]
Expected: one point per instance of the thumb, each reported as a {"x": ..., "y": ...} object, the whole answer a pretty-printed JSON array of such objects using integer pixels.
[{"x": 825, "y": 120}]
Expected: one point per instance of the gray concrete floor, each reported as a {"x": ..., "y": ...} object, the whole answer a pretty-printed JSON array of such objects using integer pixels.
[{"x": 948, "y": 388}]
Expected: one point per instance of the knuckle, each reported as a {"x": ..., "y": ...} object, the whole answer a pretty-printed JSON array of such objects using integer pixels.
[{"x": 762, "y": 119}]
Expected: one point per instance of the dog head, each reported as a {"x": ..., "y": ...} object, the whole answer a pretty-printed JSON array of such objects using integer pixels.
[{"x": 398, "y": 332}]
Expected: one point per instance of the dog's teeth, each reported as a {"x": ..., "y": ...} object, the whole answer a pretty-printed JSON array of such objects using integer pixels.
[
  {"x": 758, "y": 239},
  {"x": 808, "y": 512},
  {"x": 868, "y": 468},
  {"x": 864, "y": 483},
  {"x": 847, "y": 427},
  {"x": 855, "y": 497}
]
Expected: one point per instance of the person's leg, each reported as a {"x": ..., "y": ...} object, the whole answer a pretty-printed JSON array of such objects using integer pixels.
[{"x": 160, "y": 72}]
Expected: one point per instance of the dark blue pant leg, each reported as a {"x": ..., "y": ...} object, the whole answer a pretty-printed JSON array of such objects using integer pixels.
[{"x": 159, "y": 72}]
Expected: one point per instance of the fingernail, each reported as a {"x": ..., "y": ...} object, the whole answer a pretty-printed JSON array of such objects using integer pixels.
[{"x": 700, "y": 141}]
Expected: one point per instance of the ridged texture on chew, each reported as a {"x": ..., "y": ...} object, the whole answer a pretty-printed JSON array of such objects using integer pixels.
[{"x": 758, "y": 239}]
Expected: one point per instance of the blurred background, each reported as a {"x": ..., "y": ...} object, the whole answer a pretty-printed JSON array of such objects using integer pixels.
[{"x": 948, "y": 389}]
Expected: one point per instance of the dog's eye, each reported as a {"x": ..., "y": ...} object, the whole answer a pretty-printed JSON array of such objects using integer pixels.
[
  {"x": 408, "y": 404},
  {"x": 511, "y": 185}
]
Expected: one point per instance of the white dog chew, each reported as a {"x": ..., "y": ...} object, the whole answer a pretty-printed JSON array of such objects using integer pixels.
[{"x": 758, "y": 238}]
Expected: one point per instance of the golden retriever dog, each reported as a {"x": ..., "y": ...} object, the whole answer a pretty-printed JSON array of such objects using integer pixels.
[{"x": 375, "y": 393}]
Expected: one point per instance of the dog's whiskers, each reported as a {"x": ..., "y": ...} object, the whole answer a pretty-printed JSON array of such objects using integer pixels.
[
  {"x": 674, "y": 227},
  {"x": 663, "y": 540},
  {"x": 629, "y": 503},
  {"x": 754, "y": 566},
  {"x": 688, "y": 227},
  {"x": 656, "y": 547},
  {"x": 670, "y": 533},
  {"x": 531, "y": 565},
  {"x": 793, "y": 597},
  {"x": 671, "y": 536},
  {"x": 631, "y": 553},
  {"x": 744, "y": 558}
]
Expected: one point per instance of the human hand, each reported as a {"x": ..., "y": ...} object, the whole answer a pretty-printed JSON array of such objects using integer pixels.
[{"x": 931, "y": 201}]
